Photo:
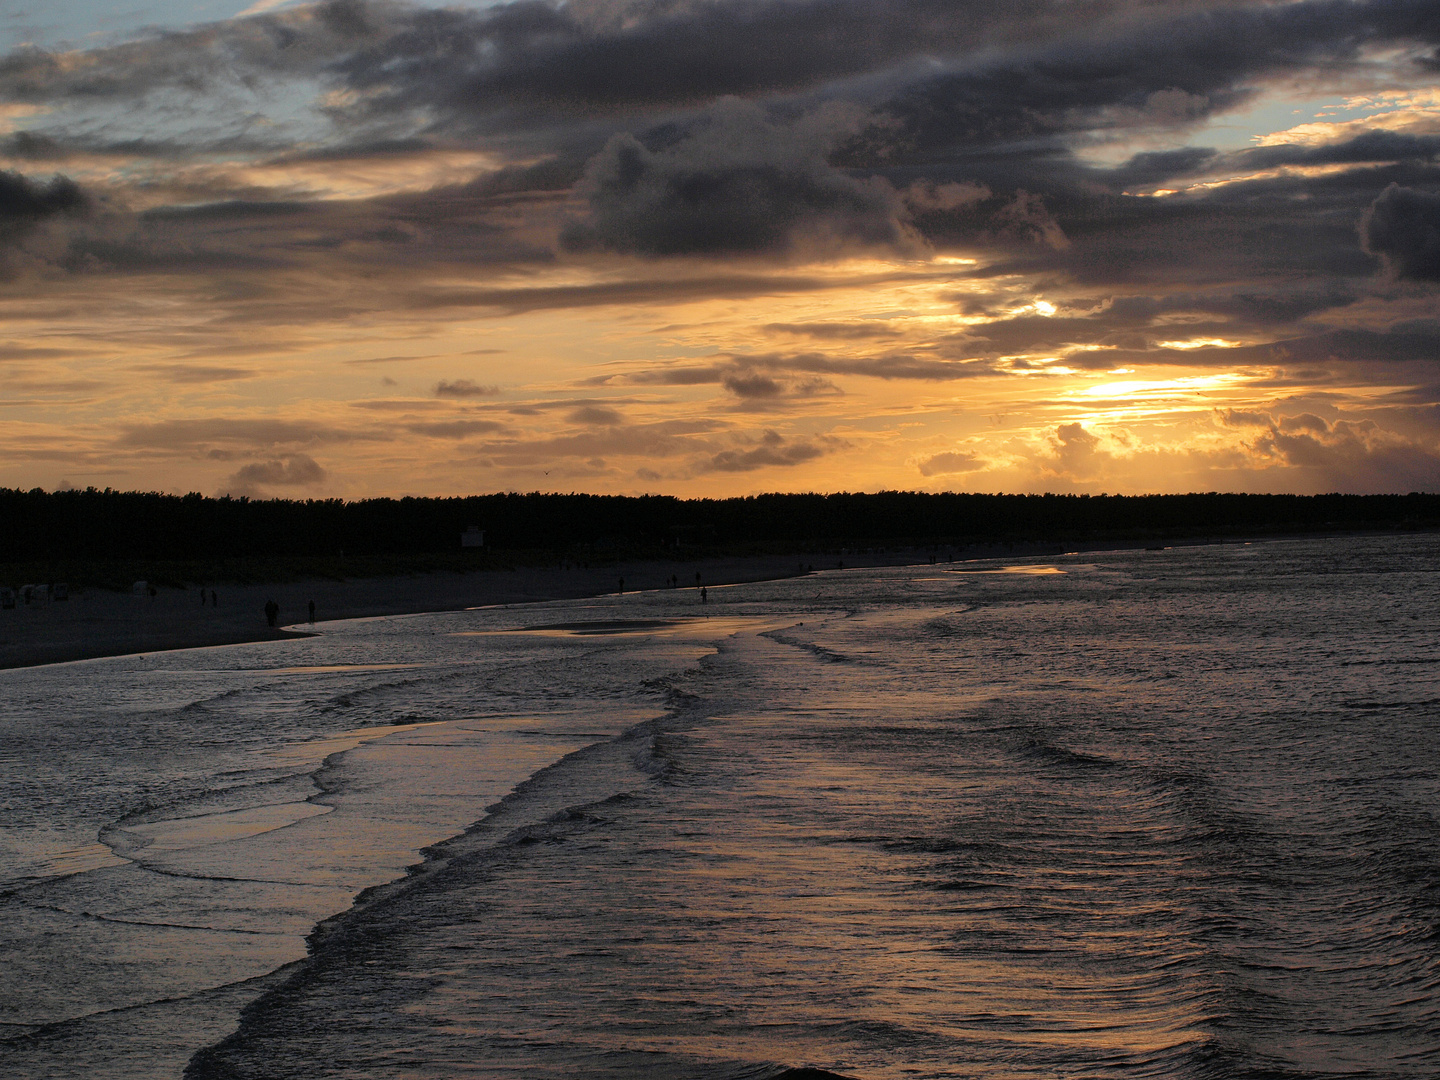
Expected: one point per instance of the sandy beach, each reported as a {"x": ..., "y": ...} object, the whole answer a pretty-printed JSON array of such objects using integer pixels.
[{"x": 97, "y": 622}]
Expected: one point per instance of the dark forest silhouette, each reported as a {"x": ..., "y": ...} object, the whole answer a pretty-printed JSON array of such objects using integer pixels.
[{"x": 93, "y": 525}]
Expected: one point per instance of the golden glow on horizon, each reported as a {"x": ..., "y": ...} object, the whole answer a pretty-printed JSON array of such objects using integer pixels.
[
  {"x": 1200, "y": 343},
  {"x": 1164, "y": 388},
  {"x": 789, "y": 389}
]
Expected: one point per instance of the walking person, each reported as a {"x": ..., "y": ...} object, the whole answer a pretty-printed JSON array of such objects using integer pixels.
[{"x": 272, "y": 612}]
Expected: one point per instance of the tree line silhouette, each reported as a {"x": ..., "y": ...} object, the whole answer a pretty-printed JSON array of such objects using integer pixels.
[{"x": 93, "y": 524}]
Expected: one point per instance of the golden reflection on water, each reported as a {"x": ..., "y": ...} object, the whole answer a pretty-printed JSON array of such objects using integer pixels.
[{"x": 1029, "y": 571}]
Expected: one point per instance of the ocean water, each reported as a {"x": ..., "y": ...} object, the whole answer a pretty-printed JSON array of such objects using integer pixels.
[{"x": 1135, "y": 814}]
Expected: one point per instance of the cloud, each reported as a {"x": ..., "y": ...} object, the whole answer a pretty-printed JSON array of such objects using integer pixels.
[
  {"x": 25, "y": 206},
  {"x": 189, "y": 435},
  {"x": 596, "y": 415},
  {"x": 1239, "y": 418},
  {"x": 643, "y": 290},
  {"x": 196, "y": 373},
  {"x": 1026, "y": 219},
  {"x": 1077, "y": 451},
  {"x": 597, "y": 59},
  {"x": 771, "y": 450},
  {"x": 1154, "y": 66},
  {"x": 298, "y": 470},
  {"x": 1349, "y": 455},
  {"x": 454, "y": 429},
  {"x": 755, "y": 376},
  {"x": 1402, "y": 228},
  {"x": 370, "y": 165},
  {"x": 23, "y": 200},
  {"x": 463, "y": 388},
  {"x": 735, "y": 183},
  {"x": 835, "y": 331},
  {"x": 758, "y": 391},
  {"x": 953, "y": 461},
  {"x": 665, "y": 439},
  {"x": 752, "y": 386}
]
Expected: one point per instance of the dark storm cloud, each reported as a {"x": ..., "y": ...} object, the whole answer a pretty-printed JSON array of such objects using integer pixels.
[
  {"x": 684, "y": 189},
  {"x": 32, "y": 147},
  {"x": 25, "y": 204},
  {"x": 1237, "y": 235},
  {"x": 23, "y": 200},
  {"x": 1043, "y": 67},
  {"x": 592, "y": 58},
  {"x": 738, "y": 183},
  {"x": 1402, "y": 227},
  {"x": 980, "y": 97},
  {"x": 1153, "y": 168},
  {"x": 527, "y": 63},
  {"x": 1153, "y": 70},
  {"x": 1047, "y": 66}
]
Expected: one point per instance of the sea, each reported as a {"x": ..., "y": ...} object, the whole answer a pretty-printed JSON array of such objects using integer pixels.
[{"x": 1151, "y": 813}]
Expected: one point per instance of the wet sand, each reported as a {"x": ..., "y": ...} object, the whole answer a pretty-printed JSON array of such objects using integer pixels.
[{"x": 96, "y": 622}]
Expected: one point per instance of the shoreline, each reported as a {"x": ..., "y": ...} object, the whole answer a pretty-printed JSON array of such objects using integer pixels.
[{"x": 95, "y": 623}]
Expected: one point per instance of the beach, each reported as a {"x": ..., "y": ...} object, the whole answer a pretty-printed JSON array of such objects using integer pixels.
[{"x": 97, "y": 622}]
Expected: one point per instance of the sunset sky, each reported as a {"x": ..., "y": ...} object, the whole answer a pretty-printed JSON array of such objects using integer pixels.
[{"x": 717, "y": 248}]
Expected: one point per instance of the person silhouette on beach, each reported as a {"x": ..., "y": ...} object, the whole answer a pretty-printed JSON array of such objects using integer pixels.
[
  {"x": 272, "y": 612},
  {"x": 703, "y": 598},
  {"x": 312, "y": 612},
  {"x": 622, "y": 586}
]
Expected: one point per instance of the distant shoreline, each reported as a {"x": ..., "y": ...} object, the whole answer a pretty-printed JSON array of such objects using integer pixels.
[{"x": 97, "y": 623}]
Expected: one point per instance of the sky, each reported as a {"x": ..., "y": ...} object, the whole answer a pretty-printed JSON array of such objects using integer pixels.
[{"x": 720, "y": 247}]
